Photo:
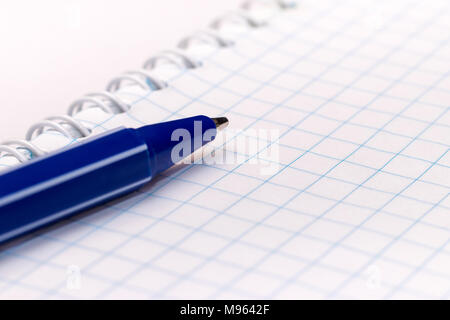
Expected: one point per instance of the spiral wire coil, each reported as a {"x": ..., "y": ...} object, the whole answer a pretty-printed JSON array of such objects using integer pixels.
[{"x": 112, "y": 104}]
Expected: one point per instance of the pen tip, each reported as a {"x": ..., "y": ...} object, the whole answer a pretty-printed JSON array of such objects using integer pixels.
[{"x": 221, "y": 123}]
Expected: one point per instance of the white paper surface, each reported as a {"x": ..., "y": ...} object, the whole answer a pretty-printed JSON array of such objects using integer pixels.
[{"x": 352, "y": 202}]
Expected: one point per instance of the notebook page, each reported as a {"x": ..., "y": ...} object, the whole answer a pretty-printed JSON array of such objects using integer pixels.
[{"x": 346, "y": 194}]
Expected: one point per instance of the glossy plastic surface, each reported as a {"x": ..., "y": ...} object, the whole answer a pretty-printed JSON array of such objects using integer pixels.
[{"x": 63, "y": 183}]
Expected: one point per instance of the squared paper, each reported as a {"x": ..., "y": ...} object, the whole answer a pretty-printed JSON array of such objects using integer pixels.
[{"x": 357, "y": 207}]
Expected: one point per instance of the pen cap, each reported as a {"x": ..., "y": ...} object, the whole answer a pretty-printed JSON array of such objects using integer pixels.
[{"x": 170, "y": 142}]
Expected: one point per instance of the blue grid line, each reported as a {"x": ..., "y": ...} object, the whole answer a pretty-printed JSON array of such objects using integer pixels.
[
  {"x": 386, "y": 164},
  {"x": 139, "y": 99},
  {"x": 325, "y": 174},
  {"x": 315, "y": 96},
  {"x": 328, "y": 118},
  {"x": 272, "y": 227},
  {"x": 275, "y": 276},
  {"x": 297, "y": 124},
  {"x": 304, "y": 75},
  {"x": 279, "y": 171},
  {"x": 393, "y": 241},
  {"x": 248, "y": 63},
  {"x": 182, "y": 72},
  {"x": 177, "y": 178},
  {"x": 346, "y": 104},
  {"x": 254, "y": 60},
  {"x": 227, "y": 238},
  {"x": 255, "y": 90},
  {"x": 106, "y": 279},
  {"x": 397, "y": 64},
  {"x": 8, "y": 252},
  {"x": 315, "y": 195},
  {"x": 335, "y": 179},
  {"x": 423, "y": 264},
  {"x": 331, "y": 178},
  {"x": 266, "y": 225},
  {"x": 303, "y": 41},
  {"x": 81, "y": 246},
  {"x": 320, "y": 62},
  {"x": 201, "y": 207},
  {"x": 368, "y": 218},
  {"x": 333, "y": 138}
]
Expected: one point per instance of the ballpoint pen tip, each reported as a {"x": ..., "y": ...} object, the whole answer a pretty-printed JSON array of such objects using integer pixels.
[{"x": 221, "y": 123}]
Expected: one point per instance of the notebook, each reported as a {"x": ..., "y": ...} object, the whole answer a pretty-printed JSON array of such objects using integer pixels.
[{"x": 332, "y": 180}]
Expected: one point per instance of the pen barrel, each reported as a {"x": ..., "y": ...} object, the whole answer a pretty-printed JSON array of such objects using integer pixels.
[
  {"x": 170, "y": 142},
  {"x": 47, "y": 189}
]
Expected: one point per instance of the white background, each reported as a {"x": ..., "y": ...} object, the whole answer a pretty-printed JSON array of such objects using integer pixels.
[{"x": 52, "y": 52}]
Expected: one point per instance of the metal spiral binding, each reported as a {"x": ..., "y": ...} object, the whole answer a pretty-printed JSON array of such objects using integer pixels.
[{"x": 107, "y": 101}]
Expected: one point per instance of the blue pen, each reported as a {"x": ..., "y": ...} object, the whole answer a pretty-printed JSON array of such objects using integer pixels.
[{"x": 60, "y": 184}]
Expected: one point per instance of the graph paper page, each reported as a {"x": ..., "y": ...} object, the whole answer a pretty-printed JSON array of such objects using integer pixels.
[{"x": 349, "y": 200}]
